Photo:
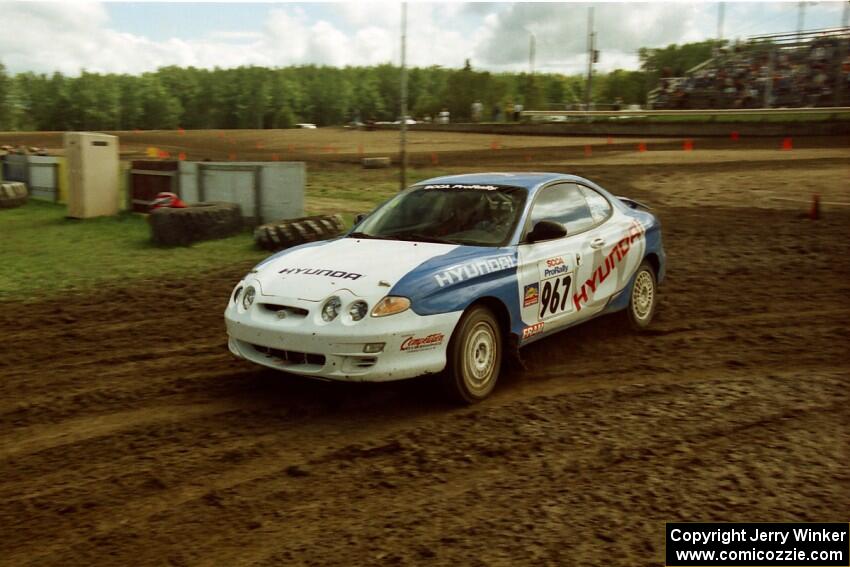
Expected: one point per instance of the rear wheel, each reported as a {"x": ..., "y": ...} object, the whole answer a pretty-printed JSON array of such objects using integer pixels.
[
  {"x": 474, "y": 356},
  {"x": 643, "y": 299}
]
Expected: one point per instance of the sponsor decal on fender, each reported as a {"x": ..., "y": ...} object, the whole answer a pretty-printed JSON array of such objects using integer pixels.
[
  {"x": 614, "y": 257},
  {"x": 322, "y": 272},
  {"x": 422, "y": 343},
  {"x": 471, "y": 270},
  {"x": 534, "y": 329},
  {"x": 531, "y": 295}
]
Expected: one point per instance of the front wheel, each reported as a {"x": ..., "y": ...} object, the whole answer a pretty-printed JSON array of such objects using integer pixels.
[
  {"x": 643, "y": 299},
  {"x": 474, "y": 356}
]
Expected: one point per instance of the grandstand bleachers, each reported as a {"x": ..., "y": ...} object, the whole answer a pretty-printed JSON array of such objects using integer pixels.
[{"x": 805, "y": 69}]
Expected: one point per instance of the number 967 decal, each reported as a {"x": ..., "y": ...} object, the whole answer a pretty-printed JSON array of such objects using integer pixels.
[{"x": 555, "y": 296}]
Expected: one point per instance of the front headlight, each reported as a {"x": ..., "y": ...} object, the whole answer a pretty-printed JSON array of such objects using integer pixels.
[
  {"x": 331, "y": 309},
  {"x": 358, "y": 310},
  {"x": 236, "y": 294},
  {"x": 248, "y": 298},
  {"x": 390, "y": 305}
]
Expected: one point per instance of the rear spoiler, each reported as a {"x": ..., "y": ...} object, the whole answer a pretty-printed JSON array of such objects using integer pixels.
[{"x": 631, "y": 203}]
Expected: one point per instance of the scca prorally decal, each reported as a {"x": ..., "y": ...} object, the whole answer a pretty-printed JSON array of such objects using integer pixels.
[
  {"x": 532, "y": 330},
  {"x": 462, "y": 186},
  {"x": 531, "y": 294},
  {"x": 474, "y": 269},
  {"x": 553, "y": 267},
  {"x": 322, "y": 272},
  {"x": 422, "y": 343},
  {"x": 618, "y": 252}
]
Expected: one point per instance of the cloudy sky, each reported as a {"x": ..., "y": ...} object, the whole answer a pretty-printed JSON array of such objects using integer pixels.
[{"x": 133, "y": 37}]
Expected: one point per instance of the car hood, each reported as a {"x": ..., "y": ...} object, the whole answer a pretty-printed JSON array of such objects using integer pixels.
[{"x": 367, "y": 268}]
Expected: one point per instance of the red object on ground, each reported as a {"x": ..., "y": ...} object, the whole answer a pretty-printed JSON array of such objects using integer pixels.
[
  {"x": 688, "y": 145},
  {"x": 588, "y": 151},
  {"x": 641, "y": 147},
  {"x": 495, "y": 145},
  {"x": 259, "y": 145},
  {"x": 787, "y": 144},
  {"x": 231, "y": 156},
  {"x": 610, "y": 140},
  {"x": 734, "y": 135},
  {"x": 181, "y": 156},
  {"x": 814, "y": 212},
  {"x": 181, "y": 131},
  {"x": 276, "y": 157},
  {"x": 163, "y": 154},
  {"x": 166, "y": 199},
  {"x": 435, "y": 160}
]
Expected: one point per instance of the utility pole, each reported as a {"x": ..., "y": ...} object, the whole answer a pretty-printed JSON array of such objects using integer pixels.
[
  {"x": 532, "y": 49},
  {"x": 801, "y": 18},
  {"x": 590, "y": 54},
  {"x": 720, "y": 14},
  {"x": 403, "y": 139}
]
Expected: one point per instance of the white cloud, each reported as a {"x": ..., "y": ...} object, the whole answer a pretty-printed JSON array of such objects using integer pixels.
[{"x": 69, "y": 37}]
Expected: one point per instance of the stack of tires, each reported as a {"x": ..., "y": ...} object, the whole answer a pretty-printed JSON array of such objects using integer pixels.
[
  {"x": 292, "y": 232},
  {"x": 201, "y": 221},
  {"x": 12, "y": 194}
]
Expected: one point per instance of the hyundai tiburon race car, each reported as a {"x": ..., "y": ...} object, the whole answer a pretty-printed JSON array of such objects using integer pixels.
[{"x": 448, "y": 276}]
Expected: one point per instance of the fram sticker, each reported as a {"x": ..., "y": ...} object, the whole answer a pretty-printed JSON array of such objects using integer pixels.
[
  {"x": 531, "y": 294},
  {"x": 532, "y": 330}
]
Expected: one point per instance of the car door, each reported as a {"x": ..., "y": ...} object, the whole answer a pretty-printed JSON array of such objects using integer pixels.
[
  {"x": 610, "y": 251},
  {"x": 548, "y": 270}
]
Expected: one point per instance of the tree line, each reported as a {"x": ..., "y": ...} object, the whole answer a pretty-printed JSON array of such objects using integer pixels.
[{"x": 260, "y": 97}]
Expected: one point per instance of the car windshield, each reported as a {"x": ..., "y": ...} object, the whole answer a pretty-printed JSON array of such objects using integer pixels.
[{"x": 473, "y": 215}]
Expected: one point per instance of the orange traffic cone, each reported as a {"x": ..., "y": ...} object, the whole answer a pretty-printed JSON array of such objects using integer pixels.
[
  {"x": 787, "y": 144},
  {"x": 688, "y": 145},
  {"x": 641, "y": 147}
]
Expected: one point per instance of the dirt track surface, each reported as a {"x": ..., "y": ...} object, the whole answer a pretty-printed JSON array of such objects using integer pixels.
[{"x": 129, "y": 436}]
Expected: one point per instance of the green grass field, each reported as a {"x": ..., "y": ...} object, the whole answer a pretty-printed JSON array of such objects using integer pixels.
[{"x": 44, "y": 254}]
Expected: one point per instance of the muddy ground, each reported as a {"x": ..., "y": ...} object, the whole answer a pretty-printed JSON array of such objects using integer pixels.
[{"x": 130, "y": 436}]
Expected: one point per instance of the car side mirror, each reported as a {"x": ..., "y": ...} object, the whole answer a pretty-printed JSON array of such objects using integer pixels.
[
  {"x": 546, "y": 230},
  {"x": 359, "y": 217}
]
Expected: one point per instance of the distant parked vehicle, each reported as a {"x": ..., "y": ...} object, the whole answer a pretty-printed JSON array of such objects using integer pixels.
[{"x": 306, "y": 125}]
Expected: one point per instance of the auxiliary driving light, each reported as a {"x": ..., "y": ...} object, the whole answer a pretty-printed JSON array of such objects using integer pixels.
[
  {"x": 372, "y": 348},
  {"x": 358, "y": 310},
  {"x": 331, "y": 309},
  {"x": 248, "y": 298}
]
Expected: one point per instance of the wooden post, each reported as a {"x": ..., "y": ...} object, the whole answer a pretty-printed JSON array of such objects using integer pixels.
[
  {"x": 200, "y": 183},
  {"x": 258, "y": 195}
]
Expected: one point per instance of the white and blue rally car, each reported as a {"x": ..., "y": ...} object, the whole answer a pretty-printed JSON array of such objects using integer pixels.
[{"x": 449, "y": 275}]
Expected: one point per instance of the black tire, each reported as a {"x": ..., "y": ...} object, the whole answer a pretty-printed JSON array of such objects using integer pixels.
[
  {"x": 643, "y": 299},
  {"x": 202, "y": 221},
  {"x": 292, "y": 232},
  {"x": 13, "y": 194},
  {"x": 474, "y": 356}
]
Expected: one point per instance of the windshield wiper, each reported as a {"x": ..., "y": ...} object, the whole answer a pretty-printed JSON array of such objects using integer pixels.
[
  {"x": 364, "y": 235},
  {"x": 418, "y": 237}
]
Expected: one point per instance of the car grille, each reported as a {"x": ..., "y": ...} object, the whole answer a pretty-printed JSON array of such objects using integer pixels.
[
  {"x": 285, "y": 311},
  {"x": 292, "y": 356}
]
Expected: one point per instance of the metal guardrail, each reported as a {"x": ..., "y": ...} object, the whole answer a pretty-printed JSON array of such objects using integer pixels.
[{"x": 689, "y": 112}]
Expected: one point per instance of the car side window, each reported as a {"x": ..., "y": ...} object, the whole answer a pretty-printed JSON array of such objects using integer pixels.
[
  {"x": 600, "y": 208},
  {"x": 565, "y": 204}
]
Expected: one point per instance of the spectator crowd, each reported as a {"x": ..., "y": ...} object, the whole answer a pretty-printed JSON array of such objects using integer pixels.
[{"x": 755, "y": 75}]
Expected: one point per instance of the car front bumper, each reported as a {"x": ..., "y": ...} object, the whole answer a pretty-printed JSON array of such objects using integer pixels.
[{"x": 307, "y": 345}]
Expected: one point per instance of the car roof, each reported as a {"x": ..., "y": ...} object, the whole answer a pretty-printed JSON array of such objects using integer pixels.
[{"x": 526, "y": 179}]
